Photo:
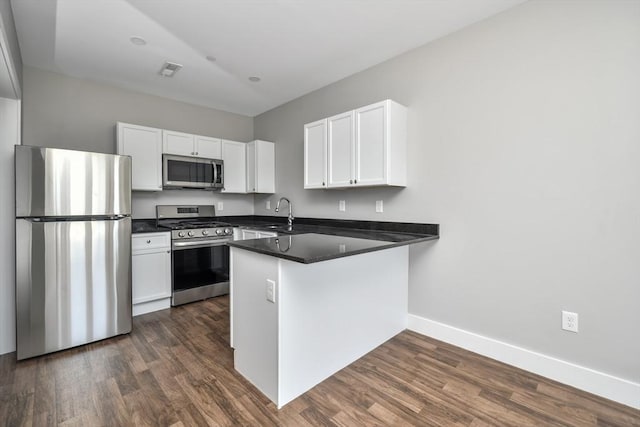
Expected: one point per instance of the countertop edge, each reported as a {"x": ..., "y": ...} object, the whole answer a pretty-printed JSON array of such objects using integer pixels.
[{"x": 239, "y": 245}]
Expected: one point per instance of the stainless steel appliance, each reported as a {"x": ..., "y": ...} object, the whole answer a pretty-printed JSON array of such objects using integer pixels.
[
  {"x": 199, "y": 255},
  {"x": 73, "y": 248},
  {"x": 192, "y": 172}
]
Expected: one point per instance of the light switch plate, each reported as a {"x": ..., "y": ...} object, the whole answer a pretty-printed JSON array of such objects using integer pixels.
[
  {"x": 379, "y": 206},
  {"x": 220, "y": 206},
  {"x": 271, "y": 290},
  {"x": 267, "y": 205},
  {"x": 342, "y": 206}
]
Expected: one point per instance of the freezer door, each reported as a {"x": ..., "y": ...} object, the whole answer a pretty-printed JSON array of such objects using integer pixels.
[
  {"x": 73, "y": 283},
  {"x": 61, "y": 183}
]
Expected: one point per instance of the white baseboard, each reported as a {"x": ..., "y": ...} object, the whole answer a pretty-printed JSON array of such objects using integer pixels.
[
  {"x": 592, "y": 381},
  {"x": 150, "y": 306}
]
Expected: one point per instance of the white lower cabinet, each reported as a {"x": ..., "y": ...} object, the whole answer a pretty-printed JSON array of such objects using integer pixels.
[{"x": 151, "y": 272}]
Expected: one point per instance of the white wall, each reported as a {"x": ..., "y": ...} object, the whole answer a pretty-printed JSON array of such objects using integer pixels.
[
  {"x": 9, "y": 136},
  {"x": 524, "y": 144}
]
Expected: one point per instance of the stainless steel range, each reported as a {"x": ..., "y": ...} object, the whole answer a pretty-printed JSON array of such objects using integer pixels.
[{"x": 199, "y": 255}]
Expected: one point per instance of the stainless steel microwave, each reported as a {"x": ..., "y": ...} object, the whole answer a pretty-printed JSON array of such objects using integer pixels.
[{"x": 192, "y": 172}]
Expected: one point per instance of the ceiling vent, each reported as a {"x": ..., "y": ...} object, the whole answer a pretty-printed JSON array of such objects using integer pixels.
[{"x": 169, "y": 69}]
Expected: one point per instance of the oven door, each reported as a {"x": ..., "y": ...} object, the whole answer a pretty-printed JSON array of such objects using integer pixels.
[
  {"x": 190, "y": 172},
  {"x": 200, "y": 270}
]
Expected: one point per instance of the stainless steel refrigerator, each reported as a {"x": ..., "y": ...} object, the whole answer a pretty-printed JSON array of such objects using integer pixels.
[{"x": 73, "y": 248}]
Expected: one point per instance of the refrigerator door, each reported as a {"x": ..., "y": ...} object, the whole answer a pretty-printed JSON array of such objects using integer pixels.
[
  {"x": 58, "y": 183},
  {"x": 73, "y": 283}
]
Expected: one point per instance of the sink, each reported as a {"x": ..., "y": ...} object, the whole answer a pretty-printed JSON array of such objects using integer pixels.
[
  {"x": 284, "y": 228},
  {"x": 275, "y": 227}
]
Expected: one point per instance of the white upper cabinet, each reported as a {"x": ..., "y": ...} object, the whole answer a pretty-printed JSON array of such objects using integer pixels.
[
  {"x": 261, "y": 173},
  {"x": 371, "y": 144},
  {"x": 340, "y": 150},
  {"x": 365, "y": 147},
  {"x": 315, "y": 154},
  {"x": 186, "y": 144},
  {"x": 178, "y": 143},
  {"x": 234, "y": 156},
  {"x": 144, "y": 145},
  {"x": 207, "y": 147}
]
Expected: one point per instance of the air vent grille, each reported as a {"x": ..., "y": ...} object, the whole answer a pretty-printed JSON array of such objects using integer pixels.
[{"x": 169, "y": 69}]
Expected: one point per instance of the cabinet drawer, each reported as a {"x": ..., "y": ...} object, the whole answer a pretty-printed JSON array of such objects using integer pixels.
[{"x": 140, "y": 242}]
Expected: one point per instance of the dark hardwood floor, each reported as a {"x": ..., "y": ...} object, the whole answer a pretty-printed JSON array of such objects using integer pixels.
[{"x": 176, "y": 369}]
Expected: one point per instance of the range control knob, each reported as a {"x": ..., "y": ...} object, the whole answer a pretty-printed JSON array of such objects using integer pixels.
[
  {"x": 190, "y": 233},
  {"x": 205, "y": 232},
  {"x": 219, "y": 231},
  {"x": 181, "y": 234},
  {"x": 228, "y": 231}
]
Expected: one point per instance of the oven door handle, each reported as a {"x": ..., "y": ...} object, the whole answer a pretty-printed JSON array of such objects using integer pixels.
[{"x": 199, "y": 244}]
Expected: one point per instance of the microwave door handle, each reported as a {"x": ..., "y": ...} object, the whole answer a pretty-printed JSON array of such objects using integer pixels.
[{"x": 215, "y": 173}]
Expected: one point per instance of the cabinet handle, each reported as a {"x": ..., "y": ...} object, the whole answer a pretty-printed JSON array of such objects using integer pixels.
[
  {"x": 196, "y": 153},
  {"x": 350, "y": 181},
  {"x": 168, "y": 252},
  {"x": 148, "y": 241},
  {"x": 355, "y": 181},
  {"x": 323, "y": 184}
]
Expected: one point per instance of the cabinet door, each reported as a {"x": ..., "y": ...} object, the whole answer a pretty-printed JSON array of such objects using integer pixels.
[
  {"x": 144, "y": 145},
  {"x": 151, "y": 276},
  {"x": 340, "y": 150},
  {"x": 371, "y": 144},
  {"x": 208, "y": 148},
  {"x": 178, "y": 143},
  {"x": 261, "y": 167},
  {"x": 315, "y": 154},
  {"x": 252, "y": 177},
  {"x": 234, "y": 157}
]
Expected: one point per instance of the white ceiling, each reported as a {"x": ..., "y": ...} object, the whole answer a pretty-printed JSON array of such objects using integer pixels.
[{"x": 294, "y": 46}]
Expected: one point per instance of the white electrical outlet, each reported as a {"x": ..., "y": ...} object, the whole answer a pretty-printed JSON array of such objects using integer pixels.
[
  {"x": 271, "y": 290},
  {"x": 267, "y": 205},
  {"x": 220, "y": 206},
  {"x": 570, "y": 321},
  {"x": 342, "y": 206},
  {"x": 379, "y": 206}
]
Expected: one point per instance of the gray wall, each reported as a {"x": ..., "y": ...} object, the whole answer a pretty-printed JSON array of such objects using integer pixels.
[
  {"x": 524, "y": 146},
  {"x": 65, "y": 112},
  {"x": 9, "y": 29}
]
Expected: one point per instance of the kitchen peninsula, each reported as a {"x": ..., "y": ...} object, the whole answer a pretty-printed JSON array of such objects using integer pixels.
[{"x": 306, "y": 304}]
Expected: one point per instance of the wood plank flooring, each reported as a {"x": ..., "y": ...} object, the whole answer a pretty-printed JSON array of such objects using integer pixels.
[{"x": 176, "y": 369}]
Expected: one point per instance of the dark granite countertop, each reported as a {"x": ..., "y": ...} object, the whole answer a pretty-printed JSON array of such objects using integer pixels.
[
  {"x": 313, "y": 240},
  {"x": 333, "y": 226},
  {"x": 146, "y": 226},
  {"x": 317, "y": 239},
  {"x": 308, "y": 248}
]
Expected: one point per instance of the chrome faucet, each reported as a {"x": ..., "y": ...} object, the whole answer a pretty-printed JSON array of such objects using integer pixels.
[{"x": 290, "y": 218}]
